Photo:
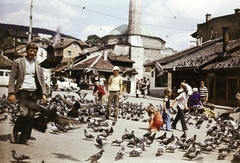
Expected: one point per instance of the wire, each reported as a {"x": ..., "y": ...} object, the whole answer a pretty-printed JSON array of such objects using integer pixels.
[{"x": 84, "y": 8}]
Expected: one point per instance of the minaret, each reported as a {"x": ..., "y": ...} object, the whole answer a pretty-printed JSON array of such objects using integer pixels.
[
  {"x": 134, "y": 36},
  {"x": 134, "y": 22}
]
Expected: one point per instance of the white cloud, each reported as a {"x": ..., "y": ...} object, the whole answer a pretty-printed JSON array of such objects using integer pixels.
[{"x": 102, "y": 17}]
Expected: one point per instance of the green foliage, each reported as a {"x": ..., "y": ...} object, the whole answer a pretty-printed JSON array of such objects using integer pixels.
[{"x": 92, "y": 40}]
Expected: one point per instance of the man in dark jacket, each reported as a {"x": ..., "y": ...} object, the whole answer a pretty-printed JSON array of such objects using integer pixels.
[{"x": 26, "y": 83}]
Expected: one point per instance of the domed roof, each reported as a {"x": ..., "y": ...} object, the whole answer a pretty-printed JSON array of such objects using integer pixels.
[{"x": 123, "y": 29}]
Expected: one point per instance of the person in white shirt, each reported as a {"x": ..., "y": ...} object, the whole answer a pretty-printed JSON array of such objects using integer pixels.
[
  {"x": 114, "y": 92},
  {"x": 181, "y": 100}
]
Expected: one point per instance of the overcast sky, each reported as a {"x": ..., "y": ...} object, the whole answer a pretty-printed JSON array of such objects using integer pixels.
[{"x": 171, "y": 20}]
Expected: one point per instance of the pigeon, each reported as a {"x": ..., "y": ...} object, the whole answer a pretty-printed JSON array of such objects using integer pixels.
[
  {"x": 171, "y": 148},
  {"x": 52, "y": 59},
  {"x": 193, "y": 155},
  {"x": 120, "y": 154},
  {"x": 19, "y": 157},
  {"x": 236, "y": 157},
  {"x": 184, "y": 135},
  {"x": 48, "y": 115},
  {"x": 129, "y": 135},
  {"x": 147, "y": 134},
  {"x": 159, "y": 69},
  {"x": 99, "y": 141},
  {"x": 161, "y": 150},
  {"x": 162, "y": 136},
  {"x": 54, "y": 128},
  {"x": 118, "y": 141},
  {"x": 191, "y": 140},
  {"x": 136, "y": 152},
  {"x": 88, "y": 135},
  {"x": 111, "y": 131},
  {"x": 105, "y": 134},
  {"x": 94, "y": 158},
  {"x": 222, "y": 156}
]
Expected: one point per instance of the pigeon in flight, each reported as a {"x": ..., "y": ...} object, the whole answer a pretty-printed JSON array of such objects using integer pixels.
[
  {"x": 159, "y": 69},
  {"x": 19, "y": 157},
  {"x": 52, "y": 59}
]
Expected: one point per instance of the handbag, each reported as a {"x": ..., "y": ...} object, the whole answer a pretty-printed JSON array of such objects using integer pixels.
[{"x": 138, "y": 92}]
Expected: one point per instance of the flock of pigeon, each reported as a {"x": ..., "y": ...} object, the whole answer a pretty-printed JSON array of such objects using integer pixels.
[{"x": 62, "y": 112}]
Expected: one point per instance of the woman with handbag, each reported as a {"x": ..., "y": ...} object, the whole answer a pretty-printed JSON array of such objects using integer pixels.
[
  {"x": 182, "y": 101},
  {"x": 138, "y": 87}
]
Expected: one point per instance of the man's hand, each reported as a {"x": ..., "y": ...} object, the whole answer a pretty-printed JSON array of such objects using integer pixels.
[
  {"x": 44, "y": 99},
  {"x": 12, "y": 98}
]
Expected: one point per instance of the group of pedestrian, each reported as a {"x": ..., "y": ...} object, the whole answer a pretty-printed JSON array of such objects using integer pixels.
[
  {"x": 186, "y": 98},
  {"x": 142, "y": 87}
]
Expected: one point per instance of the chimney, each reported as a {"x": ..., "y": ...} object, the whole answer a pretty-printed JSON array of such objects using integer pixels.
[
  {"x": 225, "y": 39},
  {"x": 237, "y": 11},
  {"x": 105, "y": 52},
  {"x": 199, "y": 41},
  {"x": 208, "y": 17}
]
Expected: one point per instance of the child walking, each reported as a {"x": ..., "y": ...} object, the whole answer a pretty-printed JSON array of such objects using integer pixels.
[{"x": 166, "y": 109}]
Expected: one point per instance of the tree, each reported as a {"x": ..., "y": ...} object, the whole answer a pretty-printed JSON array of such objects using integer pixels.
[{"x": 92, "y": 40}]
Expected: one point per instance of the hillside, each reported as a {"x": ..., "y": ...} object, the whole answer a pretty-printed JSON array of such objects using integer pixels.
[{"x": 3, "y": 28}]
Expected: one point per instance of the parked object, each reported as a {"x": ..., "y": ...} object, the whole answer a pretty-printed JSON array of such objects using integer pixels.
[{"x": 67, "y": 85}]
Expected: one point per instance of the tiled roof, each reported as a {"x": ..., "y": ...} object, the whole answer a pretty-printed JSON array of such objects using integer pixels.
[
  {"x": 120, "y": 58},
  {"x": 64, "y": 44},
  {"x": 200, "y": 56},
  {"x": 101, "y": 64},
  {"x": 64, "y": 63},
  {"x": 5, "y": 61},
  {"x": 13, "y": 49},
  {"x": 183, "y": 53},
  {"x": 232, "y": 62}
]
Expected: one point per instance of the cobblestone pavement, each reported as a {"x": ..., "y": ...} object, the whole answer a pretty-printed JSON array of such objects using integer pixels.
[{"x": 71, "y": 147}]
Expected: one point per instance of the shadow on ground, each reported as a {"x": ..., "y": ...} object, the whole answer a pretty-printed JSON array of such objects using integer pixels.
[{"x": 65, "y": 157}]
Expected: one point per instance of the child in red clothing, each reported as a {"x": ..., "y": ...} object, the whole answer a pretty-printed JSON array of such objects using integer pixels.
[
  {"x": 155, "y": 121},
  {"x": 100, "y": 93}
]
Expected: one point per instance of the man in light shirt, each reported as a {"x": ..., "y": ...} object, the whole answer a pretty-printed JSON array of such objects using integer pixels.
[{"x": 114, "y": 92}]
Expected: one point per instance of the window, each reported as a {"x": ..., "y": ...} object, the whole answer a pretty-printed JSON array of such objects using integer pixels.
[
  {"x": 75, "y": 45},
  {"x": 69, "y": 53},
  {"x": 220, "y": 88},
  {"x": 162, "y": 80}
]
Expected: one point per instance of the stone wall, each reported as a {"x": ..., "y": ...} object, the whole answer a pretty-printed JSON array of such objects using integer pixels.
[
  {"x": 152, "y": 43},
  {"x": 214, "y": 27}
]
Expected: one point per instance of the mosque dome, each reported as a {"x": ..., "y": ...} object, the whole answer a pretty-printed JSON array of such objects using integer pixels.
[{"x": 123, "y": 29}]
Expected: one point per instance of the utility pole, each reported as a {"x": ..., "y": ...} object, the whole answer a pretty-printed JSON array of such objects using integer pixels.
[{"x": 30, "y": 24}]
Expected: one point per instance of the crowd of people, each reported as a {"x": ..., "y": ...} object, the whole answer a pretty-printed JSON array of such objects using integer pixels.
[
  {"x": 142, "y": 87},
  {"x": 186, "y": 99}
]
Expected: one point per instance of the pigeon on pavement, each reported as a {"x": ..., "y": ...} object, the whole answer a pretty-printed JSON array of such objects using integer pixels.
[
  {"x": 19, "y": 157},
  {"x": 120, "y": 153},
  {"x": 99, "y": 141},
  {"x": 94, "y": 158},
  {"x": 118, "y": 141},
  {"x": 88, "y": 135}
]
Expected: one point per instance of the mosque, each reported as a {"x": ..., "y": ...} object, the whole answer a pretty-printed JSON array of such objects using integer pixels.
[{"x": 129, "y": 47}]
